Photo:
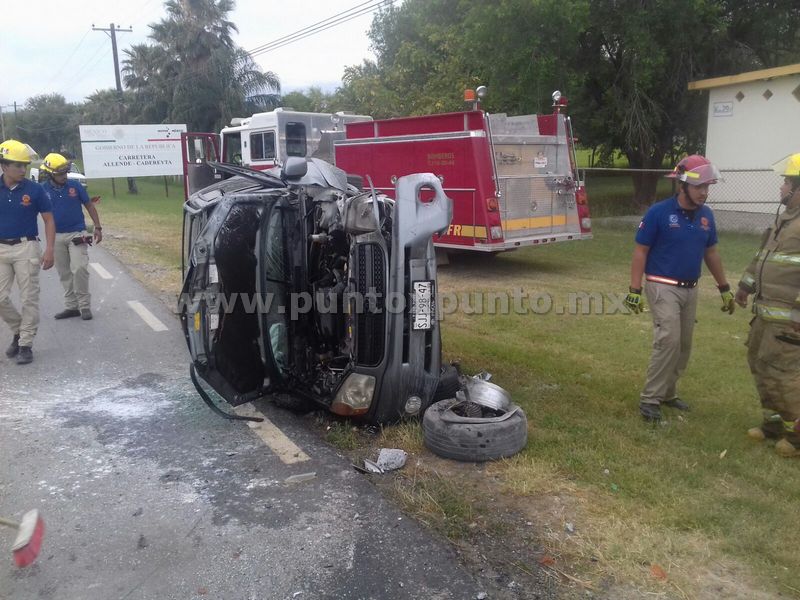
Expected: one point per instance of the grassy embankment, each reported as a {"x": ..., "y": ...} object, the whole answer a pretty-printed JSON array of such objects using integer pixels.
[{"x": 687, "y": 509}]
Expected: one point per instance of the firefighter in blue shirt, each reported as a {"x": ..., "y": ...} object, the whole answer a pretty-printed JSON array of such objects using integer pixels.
[
  {"x": 72, "y": 241},
  {"x": 675, "y": 236},
  {"x": 21, "y": 200}
]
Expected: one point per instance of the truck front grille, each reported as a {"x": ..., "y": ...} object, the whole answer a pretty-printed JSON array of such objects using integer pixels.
[{"x": 370, "y": 318}]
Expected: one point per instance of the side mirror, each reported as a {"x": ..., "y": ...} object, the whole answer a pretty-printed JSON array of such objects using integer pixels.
[{"x": 295, "y": 168}]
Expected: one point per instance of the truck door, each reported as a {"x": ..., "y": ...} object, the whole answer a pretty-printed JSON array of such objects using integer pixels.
[{"x": 198, "y": 149}]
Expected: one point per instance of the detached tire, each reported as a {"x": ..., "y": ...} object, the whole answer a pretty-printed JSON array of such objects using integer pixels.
[{"x": 473, "y": 439}]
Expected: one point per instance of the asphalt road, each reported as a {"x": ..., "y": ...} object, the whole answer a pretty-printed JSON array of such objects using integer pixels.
[{"x": 148, "y": 495}]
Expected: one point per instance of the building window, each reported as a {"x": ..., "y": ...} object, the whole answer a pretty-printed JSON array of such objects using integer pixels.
[
  {"x": 739, "y": 96},
  {"x": 767, "y": 94}
]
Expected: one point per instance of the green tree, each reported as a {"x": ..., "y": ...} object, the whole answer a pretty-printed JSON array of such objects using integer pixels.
[
  {"x": 49, "y": 124},
  {"x": 193, "y": 72},
  {"x": 102, "y": 107},
  {"x": 312, "y": 100},
  {"x": 624, "y": 64}
]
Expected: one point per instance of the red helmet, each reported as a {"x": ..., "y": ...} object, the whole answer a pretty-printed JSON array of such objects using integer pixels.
[{"x": 695, "y": 170}]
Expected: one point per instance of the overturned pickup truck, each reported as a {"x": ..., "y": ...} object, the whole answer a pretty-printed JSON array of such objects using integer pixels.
[{"x": 299, "y": 283}]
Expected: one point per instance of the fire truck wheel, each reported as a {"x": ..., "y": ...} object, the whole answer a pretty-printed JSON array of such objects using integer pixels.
[{"x": 468, "y": 432}]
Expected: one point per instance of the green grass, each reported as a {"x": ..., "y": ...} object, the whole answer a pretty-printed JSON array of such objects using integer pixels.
[
  {"x": 144, "y": 229},
  {"x": 578, "y": 378},
  {"x": 611, "y": 194},
  {"x": 646, "y": 494}
]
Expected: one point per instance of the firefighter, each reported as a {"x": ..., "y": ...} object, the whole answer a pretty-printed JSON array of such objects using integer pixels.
[
  {"x": 674, "y": 238},
  {"x": 72, "y": 240},
  {"x": 21, "y": 200},
  {"x": 773, "y": 346}
]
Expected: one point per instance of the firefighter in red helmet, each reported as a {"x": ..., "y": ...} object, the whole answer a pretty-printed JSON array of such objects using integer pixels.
[
  {"x": 773, "y": 346},
  {"x": 674, "y": 238}
]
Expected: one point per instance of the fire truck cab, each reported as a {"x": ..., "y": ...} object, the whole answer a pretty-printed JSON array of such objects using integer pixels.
[
  {"x": 513, "y": 179},
  {"x": 262, "y": 141}
]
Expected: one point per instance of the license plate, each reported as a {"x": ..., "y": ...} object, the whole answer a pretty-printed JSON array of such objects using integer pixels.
[{"x": 422, "y": 307}]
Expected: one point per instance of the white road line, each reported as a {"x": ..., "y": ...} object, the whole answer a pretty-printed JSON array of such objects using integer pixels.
[
  {"x": 147, "y": 316},
  {"x": 101, "y": 271},
  {"x": 273, "y": 437}
]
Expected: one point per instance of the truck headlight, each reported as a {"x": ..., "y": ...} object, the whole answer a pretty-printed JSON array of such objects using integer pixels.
[{"x": 354, "y": 396}]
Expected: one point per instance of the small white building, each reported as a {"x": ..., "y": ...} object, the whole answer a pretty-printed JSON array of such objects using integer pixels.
[{"x": 753, "y": 122}]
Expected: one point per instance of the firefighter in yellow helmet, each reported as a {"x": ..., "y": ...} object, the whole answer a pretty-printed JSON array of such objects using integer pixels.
[
  {"x": 21, "y": 201},
  {"x": 69, "y": 198},
  {"x": 773, "y": 346}
]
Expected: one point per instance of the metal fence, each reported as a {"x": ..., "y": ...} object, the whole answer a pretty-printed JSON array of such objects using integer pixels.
[{"x": 744, "y": 200}]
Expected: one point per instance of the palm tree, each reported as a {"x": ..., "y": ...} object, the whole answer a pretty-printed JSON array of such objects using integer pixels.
[{"x": 193, "y": 72}]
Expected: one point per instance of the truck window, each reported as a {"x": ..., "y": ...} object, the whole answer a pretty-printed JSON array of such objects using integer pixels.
[
  {"x": 262, "y": 145},
  {"x": 295, "y": 139},
  {"x": 232, "y": 147}
]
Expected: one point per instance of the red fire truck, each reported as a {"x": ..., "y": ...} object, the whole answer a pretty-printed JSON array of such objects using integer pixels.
[{"x": 513, "y": 179}]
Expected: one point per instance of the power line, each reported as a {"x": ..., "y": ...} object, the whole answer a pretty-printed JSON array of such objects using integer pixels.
[
  {"x": 89, "y": 65},
  {"x": 320, "y": 26},
  {"x": 60, "y": 70}
]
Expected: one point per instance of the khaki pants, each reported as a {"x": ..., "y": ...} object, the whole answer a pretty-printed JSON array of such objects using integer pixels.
[
  {"x": 72, "y": 264},
  {"x": 774, "y": 365},
  {"x": 21, "y": 262},
  {"x": 673, "y": 309}
]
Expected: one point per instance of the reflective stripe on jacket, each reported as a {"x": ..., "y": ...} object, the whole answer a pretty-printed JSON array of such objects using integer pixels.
[{"x": 774, "y": 273}]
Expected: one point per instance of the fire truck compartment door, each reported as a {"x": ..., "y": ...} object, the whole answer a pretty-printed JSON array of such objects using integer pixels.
[
  {"x": 536, "y": 195},
  {"x": 198, "y": 149}
]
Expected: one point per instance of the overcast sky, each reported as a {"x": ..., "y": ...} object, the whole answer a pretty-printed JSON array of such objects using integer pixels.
[{"x": 50, "y": 47}]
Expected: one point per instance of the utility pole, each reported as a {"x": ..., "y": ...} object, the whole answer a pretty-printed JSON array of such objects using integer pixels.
[
  {"x": 2, "y": 124},
  {"x": 112, "y": 33}
]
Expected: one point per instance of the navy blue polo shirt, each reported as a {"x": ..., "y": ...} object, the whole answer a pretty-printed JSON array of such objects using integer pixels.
[
  {"x": 677, "y": 238},
  {"x": 68, "y": 201},
  {"x": 19, "y": 208}
]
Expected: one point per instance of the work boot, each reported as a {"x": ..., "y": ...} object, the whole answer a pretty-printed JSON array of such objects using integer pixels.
[
  {"x": 25, "y": 355},
  {"x": 676, "y": 403},
  {"x": 68, "y": 313},
  {"x": 650, "y": 412},
  {"x": 767, "y": 430},
  {"x": 13, "y": 349},
  {"x": 86, "y": 314},
  {"x": 786, "y": 449}
]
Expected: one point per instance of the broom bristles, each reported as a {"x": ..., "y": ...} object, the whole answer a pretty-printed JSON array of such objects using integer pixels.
[{"x": 29, "y": 539}]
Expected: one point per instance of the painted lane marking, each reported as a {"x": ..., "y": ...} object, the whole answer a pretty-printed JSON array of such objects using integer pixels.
[
  {"x": 101, "y": 271},
  {"x": 147, "y": 316},
  {"x": 274, "y": 438}
]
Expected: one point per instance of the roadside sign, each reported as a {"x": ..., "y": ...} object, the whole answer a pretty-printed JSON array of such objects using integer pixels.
[{"x": 132, "y": 150}]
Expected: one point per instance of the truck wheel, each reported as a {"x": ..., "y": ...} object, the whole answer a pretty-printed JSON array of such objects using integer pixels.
[{"x": 449, "y": 432}]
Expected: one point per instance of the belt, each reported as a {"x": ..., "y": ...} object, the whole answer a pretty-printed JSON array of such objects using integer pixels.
[
  {"x": 15, "y": 241},
  {"x": 689, "y": 283}
]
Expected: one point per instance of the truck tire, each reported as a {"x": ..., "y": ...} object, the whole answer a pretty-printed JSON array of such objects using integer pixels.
[{"x": 495, "y": 435}]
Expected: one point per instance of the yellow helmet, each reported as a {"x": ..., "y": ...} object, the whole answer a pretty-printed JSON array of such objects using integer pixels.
[
  {"x": 55, "y": 163},
  {"x": 16, "y": 151},
  {"x": 789, "y": 166}
]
